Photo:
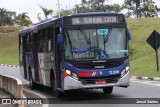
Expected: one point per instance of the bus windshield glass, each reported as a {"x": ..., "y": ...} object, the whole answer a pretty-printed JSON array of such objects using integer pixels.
[{"x": 95, "y": 44}]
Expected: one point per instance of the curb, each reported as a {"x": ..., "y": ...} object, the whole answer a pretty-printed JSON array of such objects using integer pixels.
[
  {"x": 6, "y": 65},
  {"x": 149, "y": 78},
  {"x": 12, "y": 85}
]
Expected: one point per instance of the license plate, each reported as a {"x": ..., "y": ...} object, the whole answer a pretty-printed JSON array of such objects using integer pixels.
[{"x": 100, "y": 82}]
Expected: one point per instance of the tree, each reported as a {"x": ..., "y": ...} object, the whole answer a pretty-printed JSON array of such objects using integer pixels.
[
  {"x": 132, "y": 6},
  {"x": 84, "y": 9},
  {"x": 46, "y": 11},
  {"x": 63, "y": 13},
  {"x": 6, "y": 17},
  {"x": 99, "y": 6},
  {"x": 3, "y": 15},
  {"x": 118, "y": 8},
  {"x": 152, "y": 9},
  {"x": 23, "y": 19},
  {"x": 39, "y": 18},
  {"x": 140, "y": 8}
]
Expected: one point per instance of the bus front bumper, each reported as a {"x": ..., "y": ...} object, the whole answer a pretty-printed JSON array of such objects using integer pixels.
[{"x": 71, "y": 83}]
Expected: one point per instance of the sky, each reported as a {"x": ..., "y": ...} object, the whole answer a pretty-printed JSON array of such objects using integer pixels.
[{"x": 32, "y": 6}]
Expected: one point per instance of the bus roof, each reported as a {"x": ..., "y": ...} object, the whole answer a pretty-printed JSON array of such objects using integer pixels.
[
  {"x": 51, "y": 21},
  {"x": 39, "y": 25},
  {"x": 95, "y": 13}
]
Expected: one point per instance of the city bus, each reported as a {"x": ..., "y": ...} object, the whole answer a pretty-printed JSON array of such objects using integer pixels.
[{"x": 81, "y": 51}]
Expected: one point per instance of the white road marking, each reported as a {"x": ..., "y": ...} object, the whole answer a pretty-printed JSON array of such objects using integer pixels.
[
  {"x": 40, "y": 95},
  {"x": 147, "y": 83}
]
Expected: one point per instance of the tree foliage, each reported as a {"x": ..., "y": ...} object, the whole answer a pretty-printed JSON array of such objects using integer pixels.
[
  {"x": 39, "y": 18},
  {"x": 96, "y": 5},
  {"x": 6, "y": 17},
  {"x": 23, "y": 19},
  {"x": 100, "y": 6},
  {"x": 141, "y": 8},
  {"x": 117, "y": 8},
  {"x": 46, "y": 11},
  {"x": 63, "y": 12}
]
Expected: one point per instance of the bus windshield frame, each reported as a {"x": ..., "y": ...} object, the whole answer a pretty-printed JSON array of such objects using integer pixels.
[{"x": 90, "y": 44}]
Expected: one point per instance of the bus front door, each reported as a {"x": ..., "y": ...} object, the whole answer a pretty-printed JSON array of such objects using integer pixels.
[{"x": 57, "y": 59}]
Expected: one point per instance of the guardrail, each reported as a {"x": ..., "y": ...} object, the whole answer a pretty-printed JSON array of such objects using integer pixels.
[{"x": 12, "y": 85}]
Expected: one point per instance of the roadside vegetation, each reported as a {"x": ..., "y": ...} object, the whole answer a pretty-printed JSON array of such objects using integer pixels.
[
  {"x": 143, "y": 62},
  {"x": 9, "y": 45}
]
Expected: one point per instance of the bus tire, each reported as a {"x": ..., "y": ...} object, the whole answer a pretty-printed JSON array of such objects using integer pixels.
[
  {"x": 58, "y": 94},
  {"x": 33, "y": 85},
  {"x": 107, "y": 90}
]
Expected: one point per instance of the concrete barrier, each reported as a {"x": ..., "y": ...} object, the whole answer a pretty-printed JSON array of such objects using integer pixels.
[{"x": 12, "y": 85}]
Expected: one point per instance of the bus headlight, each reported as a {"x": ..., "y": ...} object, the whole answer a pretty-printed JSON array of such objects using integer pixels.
[
  {"x": 72, "y": 74},
  {"x": 68, "y": 72},
  {"x": 124, "y": 71}
]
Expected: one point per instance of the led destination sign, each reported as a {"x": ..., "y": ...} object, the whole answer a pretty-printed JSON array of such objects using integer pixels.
[{"x": 94, "y": 20}]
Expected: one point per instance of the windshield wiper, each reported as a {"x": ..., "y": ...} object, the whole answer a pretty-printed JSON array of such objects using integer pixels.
[
  {"x": 105, "y": 38},
  {"x": 85, "y": 36}
]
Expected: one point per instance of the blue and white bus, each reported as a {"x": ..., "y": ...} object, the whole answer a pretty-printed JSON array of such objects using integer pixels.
[{"x": 81, "y": 51}]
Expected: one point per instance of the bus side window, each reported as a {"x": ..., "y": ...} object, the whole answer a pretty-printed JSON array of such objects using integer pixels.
[
  {"x": 45, "y": 34},
  {"x": 51, "y": 39},
  {"x": 29, "y": 42},
  {"x": 40, "y": 41}
]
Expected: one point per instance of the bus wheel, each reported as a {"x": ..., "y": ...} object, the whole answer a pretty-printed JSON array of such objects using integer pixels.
[
  {"x": 32, "y": 84},
  {"x": 59, "y": 94},
  {"x": 107, "y": 90}
]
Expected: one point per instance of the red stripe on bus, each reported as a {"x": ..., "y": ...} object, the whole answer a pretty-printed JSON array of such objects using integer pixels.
[
  {"x": 84, "y": 74},
  {"x": 64, "y": 74}
]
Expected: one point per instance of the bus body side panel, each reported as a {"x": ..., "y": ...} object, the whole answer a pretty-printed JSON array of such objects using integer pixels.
[{"x": 46, "y": 62}]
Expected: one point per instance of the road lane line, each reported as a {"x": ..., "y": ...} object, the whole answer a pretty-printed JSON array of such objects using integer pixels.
[
  {"x": 147, "y": 83},
  {"x": 40, "y": 95}
]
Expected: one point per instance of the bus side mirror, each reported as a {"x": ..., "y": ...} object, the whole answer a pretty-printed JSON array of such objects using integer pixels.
[
  {"x": 128, "y": 34},
  {"x": 60, "y": 37}
]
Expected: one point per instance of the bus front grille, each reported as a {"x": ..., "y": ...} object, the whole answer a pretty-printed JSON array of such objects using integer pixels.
[{"x": 86, "y": 80}]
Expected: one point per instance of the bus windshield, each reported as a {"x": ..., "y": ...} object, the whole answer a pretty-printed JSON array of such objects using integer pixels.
[{"x": 95, "y": 44}]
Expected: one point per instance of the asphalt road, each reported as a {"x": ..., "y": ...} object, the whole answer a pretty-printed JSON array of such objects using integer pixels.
[{"x": 94, "y": 98}]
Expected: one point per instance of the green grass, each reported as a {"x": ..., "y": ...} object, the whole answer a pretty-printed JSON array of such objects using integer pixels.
[
  {"x": 143, "y": 63},
  {"x": 9, "y": 47}
]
